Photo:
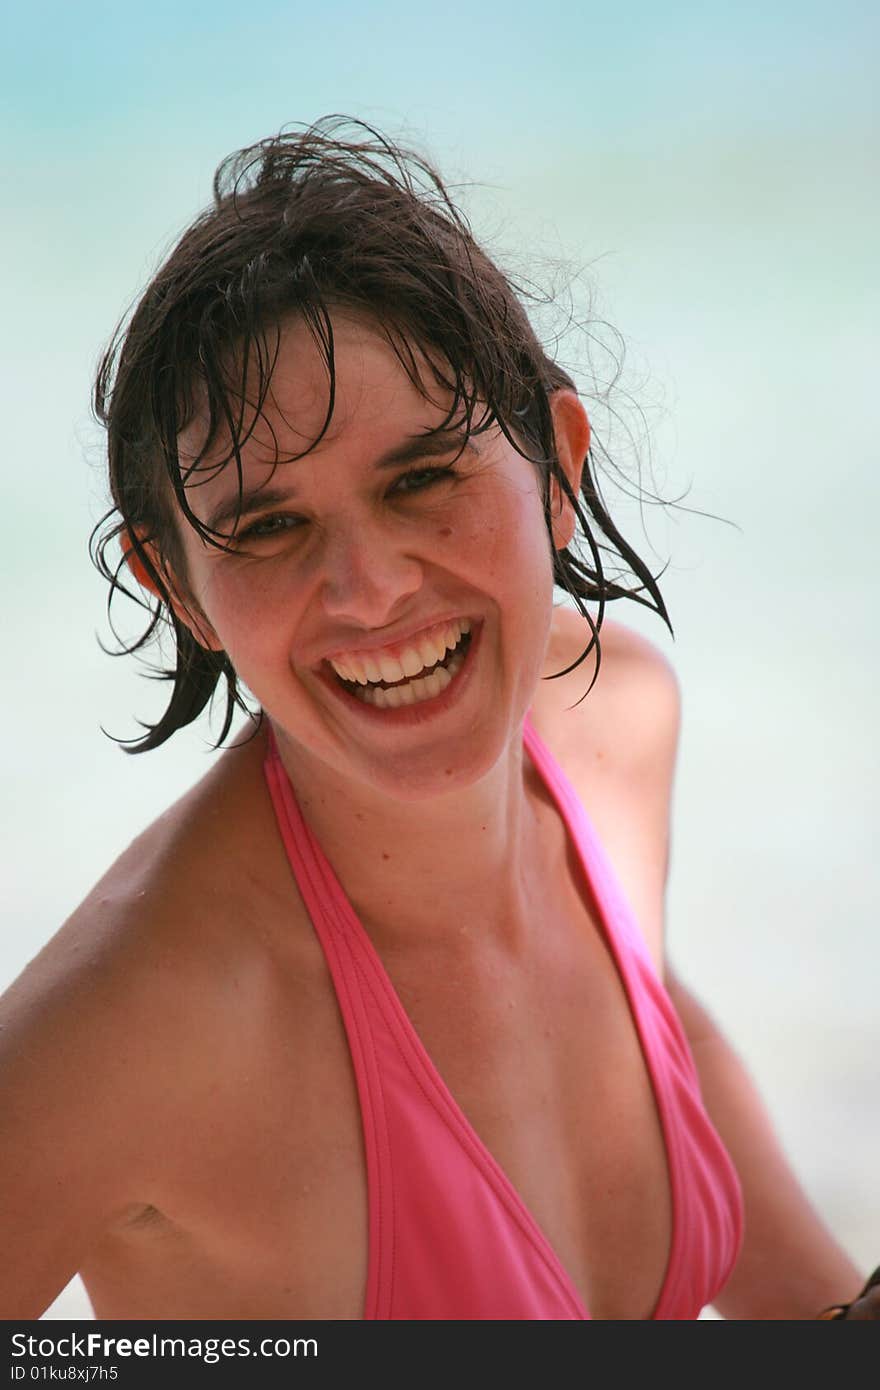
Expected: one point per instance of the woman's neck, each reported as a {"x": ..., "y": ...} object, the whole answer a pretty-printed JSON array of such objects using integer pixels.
[{"x": 412, "y": 869}]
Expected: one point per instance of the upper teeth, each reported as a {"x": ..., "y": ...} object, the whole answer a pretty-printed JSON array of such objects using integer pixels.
[{"x": 421, "y": 652}]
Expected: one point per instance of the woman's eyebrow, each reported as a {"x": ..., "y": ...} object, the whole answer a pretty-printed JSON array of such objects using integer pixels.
[{"x": 420, "y": 446}]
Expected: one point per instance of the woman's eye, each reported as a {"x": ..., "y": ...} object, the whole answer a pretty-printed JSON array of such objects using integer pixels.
[
  {"x": 267, "y": 527},
  {"x": 418, "y": 479}
]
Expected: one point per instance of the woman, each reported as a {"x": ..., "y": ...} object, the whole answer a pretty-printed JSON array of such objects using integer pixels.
[{"x": 370, "y": 1026}]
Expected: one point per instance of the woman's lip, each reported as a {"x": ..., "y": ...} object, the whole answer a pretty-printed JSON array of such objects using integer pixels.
[
  {"x": 398, "y": 644},
  {"x": 404, "y": 715}
]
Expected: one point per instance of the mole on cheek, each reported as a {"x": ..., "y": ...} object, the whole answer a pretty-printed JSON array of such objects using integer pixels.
[{"x": 445, "y": 532}]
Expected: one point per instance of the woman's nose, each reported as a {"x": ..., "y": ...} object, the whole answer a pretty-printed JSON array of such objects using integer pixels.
[{"x": 367, "y": 575}]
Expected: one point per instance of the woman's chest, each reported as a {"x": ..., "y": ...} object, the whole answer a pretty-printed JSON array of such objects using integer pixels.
[
  {"x": 265, "y": 1204},
  {"x": 542, "y": 1056}
]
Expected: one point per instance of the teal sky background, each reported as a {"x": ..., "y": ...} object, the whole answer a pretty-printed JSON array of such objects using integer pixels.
[
  {"x": 106, "y": 68},
  {"x": 713, "y": 172}
]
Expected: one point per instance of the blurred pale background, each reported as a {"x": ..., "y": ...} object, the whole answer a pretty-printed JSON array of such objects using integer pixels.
[{"x": 713, "y": 169}]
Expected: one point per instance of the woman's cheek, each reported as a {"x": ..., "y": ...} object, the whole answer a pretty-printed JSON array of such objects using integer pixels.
[{"x": 244, "y": 609}]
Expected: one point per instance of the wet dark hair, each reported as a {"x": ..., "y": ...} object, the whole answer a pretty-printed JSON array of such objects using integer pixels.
[{"x": 329, "y": 217}]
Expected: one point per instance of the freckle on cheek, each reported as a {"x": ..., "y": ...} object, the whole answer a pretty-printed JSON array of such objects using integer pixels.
[{"x": 445, "y": 532}]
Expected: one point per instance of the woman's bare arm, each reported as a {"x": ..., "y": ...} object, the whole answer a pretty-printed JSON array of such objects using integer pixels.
[
  {"x": 90, "y": 1052},
  {"x": 790, "y": 1266},
  {"x": 64, "y": 1126}
]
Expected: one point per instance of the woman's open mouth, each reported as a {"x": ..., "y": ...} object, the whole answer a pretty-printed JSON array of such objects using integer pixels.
[{"x": 422, "y": 672}]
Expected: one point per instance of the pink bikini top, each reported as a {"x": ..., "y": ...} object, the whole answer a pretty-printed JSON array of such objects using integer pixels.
[{"x": 449, "y": 1238}]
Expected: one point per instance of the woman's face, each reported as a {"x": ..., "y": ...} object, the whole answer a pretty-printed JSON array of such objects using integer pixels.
[{"x": 386, "y": 597}]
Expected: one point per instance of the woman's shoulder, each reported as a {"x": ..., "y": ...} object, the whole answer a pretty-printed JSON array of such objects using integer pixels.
[
  {"x": 117, "y": 1032},
  {"x": 632, "y": 713},
  {"x": 618, "y": 748},
  {"x": 140, "y": 952}
]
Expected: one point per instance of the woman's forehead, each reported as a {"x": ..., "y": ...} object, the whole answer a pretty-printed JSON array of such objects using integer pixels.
[{"x": 355, "y": 386}]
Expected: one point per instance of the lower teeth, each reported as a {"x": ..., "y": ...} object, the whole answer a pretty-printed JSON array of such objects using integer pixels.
[{"x": 412, "y": 692}]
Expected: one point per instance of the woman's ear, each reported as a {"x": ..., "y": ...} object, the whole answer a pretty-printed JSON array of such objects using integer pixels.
[
  {"x": 185, "y": 611},
  {"x": 137, "y": 567},
  {"x": 571, "y": 433}
]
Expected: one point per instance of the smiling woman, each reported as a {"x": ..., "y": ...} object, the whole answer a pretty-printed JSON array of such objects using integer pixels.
[
  {"x": 364, "y": 552},
  {"x": 377, "y": 1018},
  {"x": 306, "y": 228}
]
